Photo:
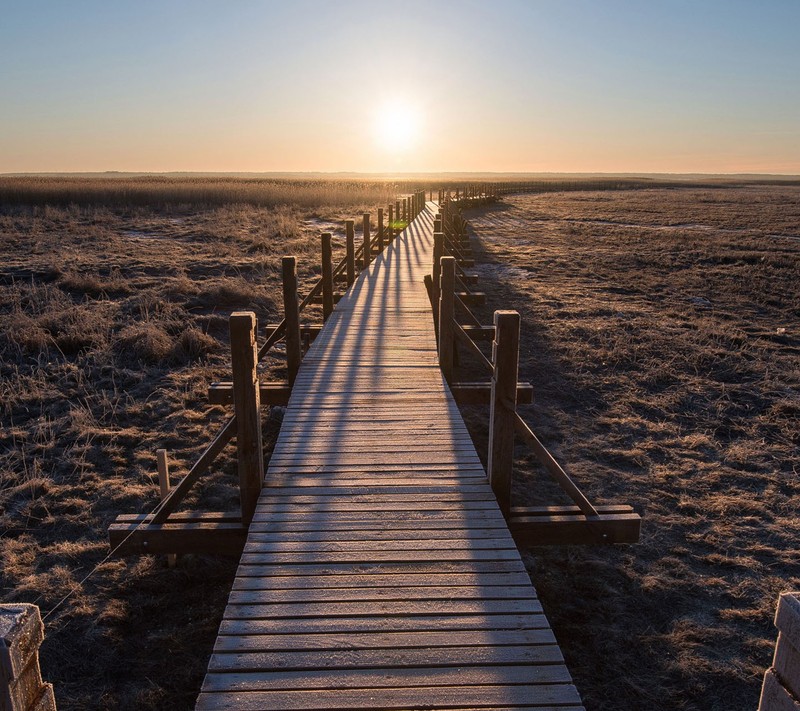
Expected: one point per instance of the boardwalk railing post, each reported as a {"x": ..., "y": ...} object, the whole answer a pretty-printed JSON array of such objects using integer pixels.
[
  {"x": 163, "y": 487},
  {"x": 247, "y": 404},
  {"x": 367, "y": 245},
  {"x": 21, "y": 685},
  {"x": 327, "y": 276},
  {"x": 447, "y": 285},
  {"x": 438, "y": 253},
  {"x": 380, "y": 229},
  {"x": 782, "y": 680},
  {"x": 390, "y": 226},
  {"x": 397, "y": 216},
  {"x": 291, "y": 310},
  {"x": 503, "y": 405},
  {"x": 350, "y": 241}
]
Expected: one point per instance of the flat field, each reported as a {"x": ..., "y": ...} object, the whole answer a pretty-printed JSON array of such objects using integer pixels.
[
  {"x": 113, "y": 321},
  {"x": 661, "y": 332}
]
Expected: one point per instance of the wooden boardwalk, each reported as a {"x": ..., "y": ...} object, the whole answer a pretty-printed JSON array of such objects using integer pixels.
[{"x": 379, "y": 572}]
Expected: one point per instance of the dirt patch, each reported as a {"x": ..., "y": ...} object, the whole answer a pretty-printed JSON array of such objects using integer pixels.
[{"x": 664, "y": 360}]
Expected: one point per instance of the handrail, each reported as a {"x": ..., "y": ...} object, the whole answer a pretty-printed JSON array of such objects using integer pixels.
[{"x": 543, "y": 455}]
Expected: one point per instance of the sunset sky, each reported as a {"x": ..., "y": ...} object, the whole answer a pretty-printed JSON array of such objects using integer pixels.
[{"x": 495, "y": 85}]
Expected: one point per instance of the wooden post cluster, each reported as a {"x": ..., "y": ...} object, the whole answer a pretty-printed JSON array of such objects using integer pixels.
[
  {"x": 21, "y": 685},
  {"x": 503, "y": 405},
  {"x": 247, "y": 405},
  {"x": 781, "y": 688}
]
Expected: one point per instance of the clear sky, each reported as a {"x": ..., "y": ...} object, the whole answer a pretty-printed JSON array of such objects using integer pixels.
[{"x": 440, "y": 85}]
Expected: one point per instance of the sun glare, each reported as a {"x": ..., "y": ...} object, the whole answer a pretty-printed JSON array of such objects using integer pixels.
[{"x": 396, "y": 127}]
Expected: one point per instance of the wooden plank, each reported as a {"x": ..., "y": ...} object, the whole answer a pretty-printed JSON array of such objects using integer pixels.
[
  {"x": 410, "y": 623},
  {"x": 372, "y": 658},
  {"x": 382, "y": 678},
  {"x": 382, "y": 594},
  {"x": 383, "y": 609},
  {"x": 575, "y": 529},
  {"x": 505, "y": 696}
]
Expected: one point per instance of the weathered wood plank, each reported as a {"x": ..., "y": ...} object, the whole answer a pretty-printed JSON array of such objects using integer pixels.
[{"x": 382, "y": 678}]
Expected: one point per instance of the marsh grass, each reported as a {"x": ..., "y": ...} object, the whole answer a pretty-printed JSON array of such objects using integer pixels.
[
  {"x": 660, "y": 332},
  {"x": 112, "y": 323}
]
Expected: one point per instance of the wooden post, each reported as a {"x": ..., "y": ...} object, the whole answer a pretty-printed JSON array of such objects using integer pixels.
[
  {"x": 291, "y": 311},
  {"x": 438, "y": 253},
  {"x": 367, "y": 245},
  {"x": 247, "y": 404},
  {"x": 163, "y": 487},
  {"x": 21, "y": 685},
  {"x": 390, "y": 226},
  {"x": 380, "y": 229},
  {"x": 437, "y": 224},
  {"x": 781, "y": 685},
  {"x": 327, "y": 276},
  {"x": 405, "y": 211},
  {"x": 447, "y": 284},
  {"x": 350, "y": 230},
  {"x": 503, "y": 405}
]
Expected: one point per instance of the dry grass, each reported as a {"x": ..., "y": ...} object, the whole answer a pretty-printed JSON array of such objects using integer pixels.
[
  {"x": 167, "y": 191},
  {"x": 660, "y": 331},
  {"x": 112, "y": 323}
]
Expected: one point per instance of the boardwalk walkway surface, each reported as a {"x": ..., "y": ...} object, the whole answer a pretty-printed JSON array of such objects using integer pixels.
[{"x": 379, "y": 572}]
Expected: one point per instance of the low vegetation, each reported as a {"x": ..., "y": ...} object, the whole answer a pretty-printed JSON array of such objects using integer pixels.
[
  {"x": 660, "y": 332},
  {"x": 112, "y": 324}
]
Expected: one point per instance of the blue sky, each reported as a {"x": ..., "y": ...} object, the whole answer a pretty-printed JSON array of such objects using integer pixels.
[{"x": 509, "y": 86}]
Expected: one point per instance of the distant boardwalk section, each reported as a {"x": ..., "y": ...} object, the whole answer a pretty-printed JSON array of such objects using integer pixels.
[{"x": 379, "y": 572}]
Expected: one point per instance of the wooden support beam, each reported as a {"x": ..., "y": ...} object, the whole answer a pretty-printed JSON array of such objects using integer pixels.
[
  {"x": 275, "y": 393},
  {"x": 212, "y": 537},
  {"x": 350, "y": 258},
  {"x": 547, "y": 460},
  {"x": 380, "y": 229},
  {"x": 390, "y": 225},
  {"x": 541, "y": 526},
  {"x": 367, "y": 256},
  {"x": 327, "y": 276},
  {"x": 247, "y": 404},
  {"x": 481, "y": 393},
  {"x": 503, "y": 406},
  {"x": 294, "y": 353},
  {"x": 446, "y": 316},
  {"x": 178, "y": 492},
  {"x": 472, "y": 298},
  {"x": 163, "y": 486}
]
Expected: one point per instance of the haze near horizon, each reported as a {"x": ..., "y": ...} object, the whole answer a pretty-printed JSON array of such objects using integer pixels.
[{"x": 508, "y": 86}]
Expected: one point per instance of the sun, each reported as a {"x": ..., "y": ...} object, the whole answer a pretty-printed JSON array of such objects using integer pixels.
[{"x": 396, "y": 126}]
